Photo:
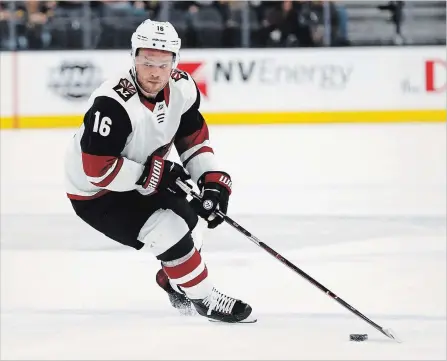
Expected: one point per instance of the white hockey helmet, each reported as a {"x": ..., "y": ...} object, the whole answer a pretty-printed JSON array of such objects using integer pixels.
[{"x": 156, "y": 35}]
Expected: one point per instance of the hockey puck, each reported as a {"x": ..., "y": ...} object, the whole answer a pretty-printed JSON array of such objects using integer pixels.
[{"x": 358, "y": 337}]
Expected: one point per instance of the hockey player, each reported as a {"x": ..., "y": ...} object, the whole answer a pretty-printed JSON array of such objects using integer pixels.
[{"x": 120, "y": 182}]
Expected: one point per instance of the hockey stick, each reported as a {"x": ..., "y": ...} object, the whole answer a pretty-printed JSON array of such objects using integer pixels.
[{"x": 387, "y": 332}]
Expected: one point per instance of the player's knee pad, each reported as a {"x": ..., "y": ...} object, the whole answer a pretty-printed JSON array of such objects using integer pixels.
[
  {"x": 168, "y": 225},
  {"x": 162, "y": 230},
  {"x": 197, "y": 233}
]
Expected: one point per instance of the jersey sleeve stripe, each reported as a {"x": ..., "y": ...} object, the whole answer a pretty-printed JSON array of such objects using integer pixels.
[
  {"x": 196, "y": 153},
  {"x": 187, "y": 142},
  {"x": 189, "y": 152},
  {"x": 79, "y": 197},
  {"x": 96, "y": 166},
  {"x": 111, "y": 176}
]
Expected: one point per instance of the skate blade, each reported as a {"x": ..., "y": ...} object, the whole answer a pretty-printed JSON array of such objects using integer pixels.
[{"x": 249, "y": 319}]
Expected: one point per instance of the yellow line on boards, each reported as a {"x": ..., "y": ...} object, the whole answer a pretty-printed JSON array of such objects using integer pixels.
[{"x": 382, "y": 116}]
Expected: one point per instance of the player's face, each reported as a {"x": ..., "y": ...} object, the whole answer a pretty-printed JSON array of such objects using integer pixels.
[{"x": 153, "y": 69}]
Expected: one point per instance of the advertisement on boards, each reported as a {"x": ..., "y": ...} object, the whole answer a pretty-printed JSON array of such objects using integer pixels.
[
  {"x": 244, "y": 85},
  {"x": 430, "y": 77},
  {"x": 310, "y": 80},
  {"x": 75, "y": 80},
  {"x": 272, "y": 72},
  {"x": 260, "y": 80},
  {"x": 60, "y": 83}
]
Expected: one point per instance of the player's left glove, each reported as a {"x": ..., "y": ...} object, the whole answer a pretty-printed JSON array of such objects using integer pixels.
[
  {"x": 215, "y": 192},
  {"x": 161, "y": 175}
]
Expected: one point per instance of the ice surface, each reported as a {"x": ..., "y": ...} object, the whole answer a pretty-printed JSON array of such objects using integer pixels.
[
  {"x": 375, "y": 234},
  {"x": 62, "y": 304}
]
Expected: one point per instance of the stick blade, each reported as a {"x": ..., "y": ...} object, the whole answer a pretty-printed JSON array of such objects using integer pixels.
[{"x": 391, "y": 334}]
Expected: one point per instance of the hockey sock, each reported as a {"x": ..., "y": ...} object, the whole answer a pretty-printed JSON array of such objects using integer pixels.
[{"x": 190, "y": 274}]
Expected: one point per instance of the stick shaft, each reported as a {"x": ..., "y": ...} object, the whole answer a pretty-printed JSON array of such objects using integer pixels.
[{"x": 286, "y": 262}]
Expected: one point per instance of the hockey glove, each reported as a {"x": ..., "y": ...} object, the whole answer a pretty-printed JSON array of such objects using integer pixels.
[
  {"x": 161, "y": 174},
  {"x": 215, "y": 192}
]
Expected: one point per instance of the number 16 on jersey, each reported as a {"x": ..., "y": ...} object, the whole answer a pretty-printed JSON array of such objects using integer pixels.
[{"x": 102, "y": 125}]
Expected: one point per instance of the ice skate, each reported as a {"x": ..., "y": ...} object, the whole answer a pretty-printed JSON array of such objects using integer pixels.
[{"x": 219, "y": 307}]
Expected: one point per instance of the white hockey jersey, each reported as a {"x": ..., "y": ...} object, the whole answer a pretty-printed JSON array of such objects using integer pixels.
[{"x": 122, "y": 128}]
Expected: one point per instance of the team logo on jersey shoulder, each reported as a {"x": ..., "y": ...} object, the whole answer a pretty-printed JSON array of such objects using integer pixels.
[
  {"x": 125, "y": 89},
  {"x": 179, "y": 74}
]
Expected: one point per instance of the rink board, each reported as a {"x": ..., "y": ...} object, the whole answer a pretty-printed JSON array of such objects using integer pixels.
[{"x": 242, "y": 86}]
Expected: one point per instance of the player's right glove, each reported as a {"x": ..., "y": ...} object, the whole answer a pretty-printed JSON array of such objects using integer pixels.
[
  {"x": 161, "y": 174},
  {"x": 215, "y": 192}
]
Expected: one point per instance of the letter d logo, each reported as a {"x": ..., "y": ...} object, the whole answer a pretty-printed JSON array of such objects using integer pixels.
[{"x": 435, "y": 76}]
